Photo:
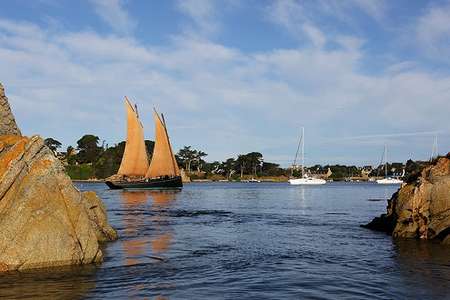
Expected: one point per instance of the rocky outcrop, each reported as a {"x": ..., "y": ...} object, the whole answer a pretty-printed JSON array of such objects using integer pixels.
[
  {"x": 97, "y": 215},
  {"x": 420, "y": 209},
  {"x": 44, "y": 220},
  {"x": 8, "y": 124}
]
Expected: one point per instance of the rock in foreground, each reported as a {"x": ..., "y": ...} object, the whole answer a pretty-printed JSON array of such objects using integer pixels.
[
  {"x": 44, "y": 220},
  {"x": 420, "y": 209},
  {"x": 8, "y": 124}
]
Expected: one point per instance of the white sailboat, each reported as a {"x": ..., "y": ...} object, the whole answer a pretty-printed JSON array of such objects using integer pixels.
[
  {"x": 305, "y": 179},
  {"x": 386, "y": 179}
]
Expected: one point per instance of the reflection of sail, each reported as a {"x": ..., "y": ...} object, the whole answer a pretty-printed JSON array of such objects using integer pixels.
[
  {"x": 134, "y": 249},
  {"x": 137, "y": 244},
  {"x": 134, "y": 244},
  {"x": 134, "y": 198},
  {"x": 163, "y": 161},
  {"x": 161, "y": 243},
  {"x": 134, "y": 160},
  {"x": 163, "y": 198}
]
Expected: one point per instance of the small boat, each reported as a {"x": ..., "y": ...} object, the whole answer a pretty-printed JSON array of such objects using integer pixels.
[
  {"x": 386, "y": 179},
  {"x": 251, "y": 180},
  {"x": 305, "y": 179},
  {"x": 254, "y": 180},
  {"x": 135, "y": 172}
]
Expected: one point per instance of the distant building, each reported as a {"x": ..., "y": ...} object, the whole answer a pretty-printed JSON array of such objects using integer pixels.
[{"x": 365, "y": 171}]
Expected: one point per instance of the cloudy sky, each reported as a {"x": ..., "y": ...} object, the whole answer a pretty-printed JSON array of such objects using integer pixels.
[{"x": 236, "y": 76}]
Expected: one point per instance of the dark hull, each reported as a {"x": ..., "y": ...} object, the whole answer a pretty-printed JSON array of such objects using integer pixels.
[{"x": 160, "y": 183}]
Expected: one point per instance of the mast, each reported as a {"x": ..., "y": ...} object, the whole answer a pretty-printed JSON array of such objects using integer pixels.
[
  {"x": 385, "y": 160},
  {"x": 296, "y": 155},
  {"x": 303, "y": 151},
  {"x": 174, "y": 162},
  {"x": 434, "y": 149}
]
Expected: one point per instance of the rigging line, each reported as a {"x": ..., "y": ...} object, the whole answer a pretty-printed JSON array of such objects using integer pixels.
[{"x": 298, "y": 149}]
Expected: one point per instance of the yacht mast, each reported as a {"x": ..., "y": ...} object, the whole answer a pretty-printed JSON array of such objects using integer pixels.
[
  {"x": 385, "y": 160},
  {"x": 434, "y": 150},
  {"x": 294, "y": 165},
  {"x": 303, "y": 151}
]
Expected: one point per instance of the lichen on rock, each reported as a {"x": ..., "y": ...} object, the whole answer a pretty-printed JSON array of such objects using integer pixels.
[
  {"x": 44, "y": 220},
  {"x": 420, "y": 209}
]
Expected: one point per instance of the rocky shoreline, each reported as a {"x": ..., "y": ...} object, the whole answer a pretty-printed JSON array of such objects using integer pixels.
[
  {"x": 420, "y": 208},
  {"x": 44, "y": 220}
]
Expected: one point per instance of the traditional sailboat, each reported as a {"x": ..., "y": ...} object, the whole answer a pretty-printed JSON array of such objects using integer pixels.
[{"x": 135, "y": 171}]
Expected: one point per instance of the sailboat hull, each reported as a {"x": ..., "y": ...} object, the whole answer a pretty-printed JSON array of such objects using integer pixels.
[
  {"x": 158, "y": 183},
  {"x": 389, "y": 181},
  {"x": 307, "y": 181}
]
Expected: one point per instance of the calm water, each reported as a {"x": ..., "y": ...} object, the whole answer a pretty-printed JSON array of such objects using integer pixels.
[{"x": 254, "y": 241}]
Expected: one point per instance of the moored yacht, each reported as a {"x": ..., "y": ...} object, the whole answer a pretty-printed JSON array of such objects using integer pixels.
[
  {"x": 305, "y": 179},
  {"x": 386, "y": 179}
]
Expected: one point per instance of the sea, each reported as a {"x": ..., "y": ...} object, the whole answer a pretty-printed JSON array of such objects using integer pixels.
[{"x": 246, "y": 241}]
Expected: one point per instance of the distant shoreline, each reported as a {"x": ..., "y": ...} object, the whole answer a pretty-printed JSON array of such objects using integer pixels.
[
  {"x": 216, "y": 181},
  {"x": 89, "y": 180}
]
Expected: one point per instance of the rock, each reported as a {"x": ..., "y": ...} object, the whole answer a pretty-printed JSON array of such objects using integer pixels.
[
  {"x": 97, "y": 215},
  {"x": 184, "y": 177},
  {"x": 420, "y": 209},
  {"x": 44, "y": 220},
  {"x": 383, "y": 223},
  {"x": 8, "y": 124},
  {"x": 447, "y": 240}
]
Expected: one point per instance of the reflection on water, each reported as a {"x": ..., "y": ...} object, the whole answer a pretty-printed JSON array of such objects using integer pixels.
[
  {"x": 161, "y": 243},
  {"x": 61, "y": 283},
  {"x": 414, "y": 258},
  {"x": 139, "y": 247}
]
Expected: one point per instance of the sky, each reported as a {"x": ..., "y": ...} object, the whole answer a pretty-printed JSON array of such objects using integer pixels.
[{"x": 235, "y": 76}]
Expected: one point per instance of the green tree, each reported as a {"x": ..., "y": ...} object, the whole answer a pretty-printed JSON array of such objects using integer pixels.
[
  {"x": 271, "y": 169},
  {"x": 150, "y": 146},
  {"x": 249, "y": 163},
  {"x": 88, "y": 149},
  {"x": 212, "y": 168},
  {"x": 186, "y": 156},
  {"x": 254, "y": 160},
  {"x": 53, "y": 144},
  {"x": 198, "y": 159},
  {"x": 227, "y": 168}
]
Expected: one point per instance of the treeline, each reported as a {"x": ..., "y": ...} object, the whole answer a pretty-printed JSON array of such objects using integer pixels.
[
  {"x": 251, "y": 164},
  {"x": 89, "y": 159}
]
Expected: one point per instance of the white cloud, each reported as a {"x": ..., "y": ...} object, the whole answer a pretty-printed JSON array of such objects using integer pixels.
[
  {"x": 115, "y": 15},
  {"x": 203, "y": 13},
  {"x": 303, "y": 19},
  {"x": 433, "y": 32},
  {"x": 218, "y": 98}
]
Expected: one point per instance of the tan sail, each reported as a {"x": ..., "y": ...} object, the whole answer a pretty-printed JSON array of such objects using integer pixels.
[
  {"x": 134, "y": 160},
  {"x": 163, "y": 161}
]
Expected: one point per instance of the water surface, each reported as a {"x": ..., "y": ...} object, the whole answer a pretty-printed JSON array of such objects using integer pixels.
[{"x": 247, "y": 241}]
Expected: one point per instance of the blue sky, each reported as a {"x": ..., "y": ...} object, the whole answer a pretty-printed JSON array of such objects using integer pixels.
[{"x": 236, "y": 76}]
